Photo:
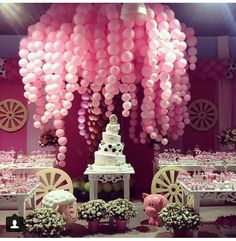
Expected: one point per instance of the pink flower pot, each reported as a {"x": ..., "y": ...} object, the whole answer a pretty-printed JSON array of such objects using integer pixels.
[
  {"x": 179, "y": 233},
  {"x": 121, "y": 225},
  {"x": 231, "y": 146},
  {"x": 93, "y": 226}
]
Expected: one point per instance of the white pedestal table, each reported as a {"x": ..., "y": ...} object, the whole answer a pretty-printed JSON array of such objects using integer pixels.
[{"x": 95, "y": 176}]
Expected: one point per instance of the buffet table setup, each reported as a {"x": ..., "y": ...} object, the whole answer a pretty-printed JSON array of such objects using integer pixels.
[
  {"x": 18, "y": 180},
  {"x": 171, "y": 162},
  {"x": 18, "y": 188},
  {"x": 31, "y": 163},
  {"x": 191, "y": 162},
  {"x": 207, "y": 185}
]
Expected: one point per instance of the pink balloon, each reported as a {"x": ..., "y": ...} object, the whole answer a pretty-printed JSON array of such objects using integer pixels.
[
  {"x": 167, "y": 67},
  {"x": 125, "y": 113},
  {"x": 60, "y": 133},
  {"x": 126, "y": 56},
  {"x": 67, "y": 104},
  {"x": 192, "y": 41},
  {"x": 58, "y": 124},
  {"x": 37, "y": 35},
  {"x": 153, "y": 135},
  {"x": 81, "y": 126},
  {"x": 61, "y": 157},
  {"x": 164, "y": 141},
  {"x": 114, "y": 25},
  {"x": 127, "y": 105},
  {"x": 163, "y": 25},
  {"x": 192, "y": 51},
  {"x": 62, "y": 163},
  {"x": 113, "y": 49},
  {"x": 32, "y": 97},
  {"x": 114, "y": 70},
  {"x": 126, "y": 97},
  {"x": 37, "y": 124},
  {"x": 81, "y": 119},
  {"x": 62, "y": 141},
  {"x": 62, "y": 149}
]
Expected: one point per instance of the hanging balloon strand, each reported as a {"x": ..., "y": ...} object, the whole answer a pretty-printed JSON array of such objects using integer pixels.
[{"x": 104, "y": 51}]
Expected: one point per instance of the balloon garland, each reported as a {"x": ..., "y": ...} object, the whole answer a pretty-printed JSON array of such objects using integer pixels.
[{"x": 92, "y": 49}]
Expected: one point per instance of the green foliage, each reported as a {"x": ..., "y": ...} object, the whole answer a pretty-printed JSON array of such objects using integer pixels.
[
  {"x": 93, "y": 210},
  {"x": 176, "y": 216},
  {"x": 45, "y": 222},
  {"x": 121, "y": 209}
]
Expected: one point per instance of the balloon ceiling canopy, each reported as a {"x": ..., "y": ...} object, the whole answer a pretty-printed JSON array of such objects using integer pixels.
[{"x": 139, "y": 53}]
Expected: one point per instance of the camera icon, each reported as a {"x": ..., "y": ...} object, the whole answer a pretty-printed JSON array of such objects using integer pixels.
[{"x": 14, "y": 223}]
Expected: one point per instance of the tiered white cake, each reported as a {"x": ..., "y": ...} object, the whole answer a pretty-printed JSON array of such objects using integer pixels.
[{"x": 109, "y": 156}]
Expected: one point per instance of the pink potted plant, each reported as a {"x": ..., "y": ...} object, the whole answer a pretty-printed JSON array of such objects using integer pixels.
[
  {"x": 121, "y": 210},
  {"x": 93, "y": 211},
  {"x": 226, "y": 224}
]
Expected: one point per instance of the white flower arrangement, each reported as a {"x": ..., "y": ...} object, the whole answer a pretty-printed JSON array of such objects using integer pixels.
[
  {"x": 93, "y": 210},
  {"x": 45, "y": 222},
  {"x": 176, "y": 216},
  {"x": 121, "y": 209}
]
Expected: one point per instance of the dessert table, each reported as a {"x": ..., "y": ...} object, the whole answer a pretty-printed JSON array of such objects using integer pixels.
[
  {"x": 198, "y": 195},
  {"x": 191, "y": 168},
  {"x": 198, "y": 160},
  {"x": 26, "y": 169},
  {"x": 23, "y": 163},
  {"x": 168, "y": 164},
  {"x": 21, "y": 199},
  {"x": 95, "y": 176}
]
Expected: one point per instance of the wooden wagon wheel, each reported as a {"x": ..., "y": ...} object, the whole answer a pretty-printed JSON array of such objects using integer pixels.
[
  {"x": 13, "y": 115},
  {"x": 52, "y": 179},
  {"x": 164, "y": 182},
  {"x": 203, "y": 114}
]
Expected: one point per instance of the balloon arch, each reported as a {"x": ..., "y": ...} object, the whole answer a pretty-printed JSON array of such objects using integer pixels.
[{"x": 107, "y": 50}]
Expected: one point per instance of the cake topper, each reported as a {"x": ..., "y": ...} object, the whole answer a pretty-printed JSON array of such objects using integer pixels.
[{"x": 113, "y": 119}]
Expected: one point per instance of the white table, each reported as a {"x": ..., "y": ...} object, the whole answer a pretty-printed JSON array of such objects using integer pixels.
[
  {"x": 21, "y": 168},
  {"x": 21, "y": 199},
  {"x": 104, "y": 177},
  {"x": 219, "y": 194},
  {"x": 191, "y": 167}
]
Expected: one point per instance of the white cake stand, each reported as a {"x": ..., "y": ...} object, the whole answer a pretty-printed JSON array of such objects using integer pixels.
[{"x": 106, "y": 176}]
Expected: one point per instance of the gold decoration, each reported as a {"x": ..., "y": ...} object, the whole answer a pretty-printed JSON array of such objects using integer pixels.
[
  {"x": 203, "y": 114},
  {"x": 52, "y": 179},
  {"x": 13, "y": 115}
]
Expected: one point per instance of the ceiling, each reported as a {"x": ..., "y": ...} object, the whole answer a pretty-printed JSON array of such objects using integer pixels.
[{"x": 208, "y": 19}]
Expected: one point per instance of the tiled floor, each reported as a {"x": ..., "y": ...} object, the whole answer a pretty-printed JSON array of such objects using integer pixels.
[{"x": 138, "y": 227}]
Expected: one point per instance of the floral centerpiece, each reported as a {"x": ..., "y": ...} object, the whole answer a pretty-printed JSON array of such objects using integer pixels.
[
  {"x": 121, "y": 210},
  {"x": 45, "y": 222},
  {"x": 227, "y": 137},
  {"x": 179, "y": 218},
  {"x": 226, "y": 224},
  {"x": 48, "y": 138},
  {"x": 93, "y": 211}
]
